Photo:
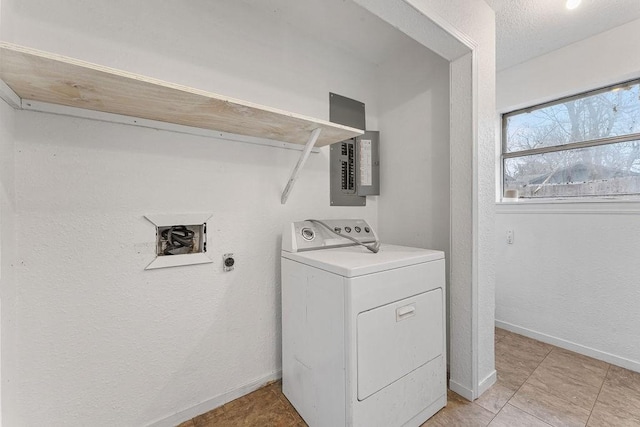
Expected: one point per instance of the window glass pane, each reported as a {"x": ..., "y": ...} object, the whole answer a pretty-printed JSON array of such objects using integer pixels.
[
  {"x": 612, "y": 169},
  {"x": 612, "y": 113}
]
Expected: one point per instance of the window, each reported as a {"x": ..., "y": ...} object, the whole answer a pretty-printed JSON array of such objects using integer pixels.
[{"x": 586, "y": 145}]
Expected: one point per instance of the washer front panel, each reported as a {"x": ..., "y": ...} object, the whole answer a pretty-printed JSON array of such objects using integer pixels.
[
  {"x": 349, "y": 347},
  {"x": 396, "y": 339}
]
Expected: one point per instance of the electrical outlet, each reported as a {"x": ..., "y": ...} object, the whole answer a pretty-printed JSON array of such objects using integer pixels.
[
  {"x": 510, "y": 237},
  {"x": 228, "y": 262}
]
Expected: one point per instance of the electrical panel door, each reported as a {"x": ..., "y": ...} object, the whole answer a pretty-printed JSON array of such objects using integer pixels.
[
  {"x": 354, "y": 163},
  {"x": 368, "y": 164}
]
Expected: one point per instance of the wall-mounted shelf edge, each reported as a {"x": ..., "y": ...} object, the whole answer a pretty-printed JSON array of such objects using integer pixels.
[
  {"x": 38, "y": 80},
  {"x": 45, "y": 77},
  {"x": 63, "y": 110}
]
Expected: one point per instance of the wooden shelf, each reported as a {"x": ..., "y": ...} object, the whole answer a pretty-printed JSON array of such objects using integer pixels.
[{"x": 46, "y": 77}]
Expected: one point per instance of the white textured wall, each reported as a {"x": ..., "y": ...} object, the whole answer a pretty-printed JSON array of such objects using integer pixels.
[
  {"x": 2, "y": 127},
  {"x": 413, "y": 112},
  {"x": 461, "y": 261},
  {"x": 607, "y": 58},
  {"x": 7, "y": 251},
  {"x": 473, "y": 137},
  {"x": 224, "y": 46},
  {"x": 99, "y": 337},
  {"x": 571, "y": 276},
  {"x": 101, "y": 341},
  {"x": 475, "y": 22},
  {"x": 413, "y": 106}
]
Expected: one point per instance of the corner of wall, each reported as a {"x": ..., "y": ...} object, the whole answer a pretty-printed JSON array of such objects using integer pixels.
[{"x": 7, "y": 258}]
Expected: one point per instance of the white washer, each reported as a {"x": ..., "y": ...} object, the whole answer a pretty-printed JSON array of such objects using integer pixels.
[{"x": 363, "y": 338}]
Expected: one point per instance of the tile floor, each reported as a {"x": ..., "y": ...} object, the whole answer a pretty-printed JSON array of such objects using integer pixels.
[{"x": 538, "y": 385}]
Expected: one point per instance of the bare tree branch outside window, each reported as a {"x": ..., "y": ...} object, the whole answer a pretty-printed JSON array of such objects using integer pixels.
[{"x": 582, "y": 146}]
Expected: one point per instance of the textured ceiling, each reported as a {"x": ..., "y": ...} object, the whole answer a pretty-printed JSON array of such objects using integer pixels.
[{"x": 530, "y": 28}]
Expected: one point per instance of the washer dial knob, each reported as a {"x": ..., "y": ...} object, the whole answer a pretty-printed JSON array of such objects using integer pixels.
[{"x": 308, "y": 234}]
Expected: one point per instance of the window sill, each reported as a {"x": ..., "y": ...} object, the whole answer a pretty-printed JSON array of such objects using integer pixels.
[{"x": 612, "y": 205}]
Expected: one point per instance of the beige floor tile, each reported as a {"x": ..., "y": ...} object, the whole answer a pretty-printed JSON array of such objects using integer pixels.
[
  {"x": 519, "y": 349},
  {"x": 577, "y": 366},
  {"x": 575, "y": 391},
  {"x": 624, "y": 377},
  {"x": 496, "y": 397},
  {"x": 605, "y": 415},
  {"x": 510, "y": 416},
  {"x": 277, "y": 389},
  {"x": 549, "y": 408},
  {"x": 524, "y": 347},
  {"x": 513, "y": 370},
  {"x": 512, "y": 378},
  {"x": 460, "y": 413},
  {"x": 499, "y": 334},
  {"x": 517, "y": 357},
  {"x": 260, "y": 408},
  {"x": 617, "y": 395},
  {"x": 559, "y": 389},
  {"x": 505, "y": 333}
]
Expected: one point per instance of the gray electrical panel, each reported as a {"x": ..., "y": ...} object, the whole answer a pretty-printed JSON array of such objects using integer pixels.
[
  {"x": 346, "y": 111},
  {"x": 354, "y": 163},
  {"x": 342, "y": 175}
]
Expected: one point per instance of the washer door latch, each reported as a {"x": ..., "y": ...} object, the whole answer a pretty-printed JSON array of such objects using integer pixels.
[{"x": 405, "y": 312}]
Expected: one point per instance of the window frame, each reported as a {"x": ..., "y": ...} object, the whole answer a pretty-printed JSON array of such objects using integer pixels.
[{"x": 564, "y": 147}]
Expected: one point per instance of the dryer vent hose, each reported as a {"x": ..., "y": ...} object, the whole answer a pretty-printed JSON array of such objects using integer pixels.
[{"x": 179, "y": 240}]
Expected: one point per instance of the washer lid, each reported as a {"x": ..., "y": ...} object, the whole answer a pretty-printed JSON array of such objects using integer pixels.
[{"x": 353, "y": 261}]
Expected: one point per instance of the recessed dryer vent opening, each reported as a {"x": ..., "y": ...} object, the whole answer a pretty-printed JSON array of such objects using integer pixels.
[{"x": 179, "y": 239}]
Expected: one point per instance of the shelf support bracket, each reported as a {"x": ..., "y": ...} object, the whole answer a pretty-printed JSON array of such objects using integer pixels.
[
  {"x": 9, "y": 96},
  {"x": 301, "y": 161}
]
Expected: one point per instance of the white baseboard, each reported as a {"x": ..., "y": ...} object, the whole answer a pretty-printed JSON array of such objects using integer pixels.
[
  {"x": 467, "y": 393},
  {"x": 208, "y": 405},
  {"x": 461, "y": 390},
  {"x": 486, "y": 383},
  {"x": 568, "y": 345}
]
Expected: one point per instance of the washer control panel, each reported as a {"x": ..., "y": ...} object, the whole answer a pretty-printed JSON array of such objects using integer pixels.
[{"x": 323, "y": 234}]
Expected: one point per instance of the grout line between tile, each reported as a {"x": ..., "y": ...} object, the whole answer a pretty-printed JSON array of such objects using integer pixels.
[
  {"x": 525, "y": 381},
  {"x": 485, "y": 409},
  {"x": 515, "y": 392},
  {"x": 520, "y": 409},
  {"x": 599, "y": 391},
  {"x": 495, "y": 415}
]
